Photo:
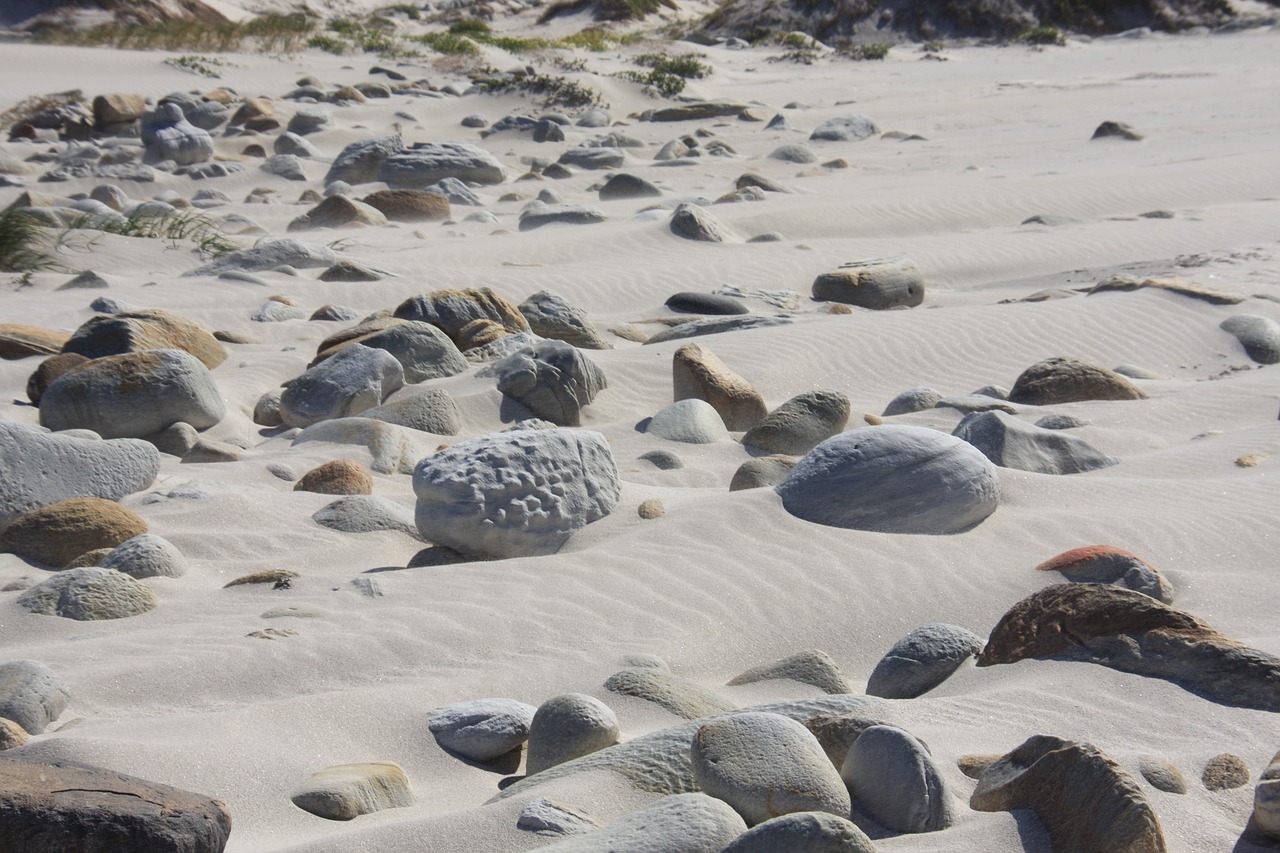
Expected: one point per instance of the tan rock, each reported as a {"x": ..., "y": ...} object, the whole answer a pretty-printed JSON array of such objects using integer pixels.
[
  {"x": 410, "y": 205},
  {"x": 1070, "y": 380},
  {"x": 1224, "y": 772},
  {"x": 48, "y": 371},
  {"x": 452, "y": 310},
  {"x": 19, "y": 341},
  {"x": 118, "y": 108},
  {"x": 254, "y": 108},
  {"x": 135, "y": 331},
  {"x": 1266, "y": 799},
  {"x": 338, "y": 211},
  {"x": 652, "y": 508},
  {"x": 339, "y": 477},
  {"x": 481, "y": 332},
  {"x": 58, "y": 533},
  {"x": 697, "y": 373},
  {"x": 12, "y": 735},
  {"x": 271, "y": 576}
]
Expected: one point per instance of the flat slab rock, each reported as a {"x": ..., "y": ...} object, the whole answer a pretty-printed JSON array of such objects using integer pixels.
[
  {"x": 346, "y": 791},
  {"x": 684, "y": 823},
  {"x": 1011, "y": 443},
  {"x": 481, "y": 729}
]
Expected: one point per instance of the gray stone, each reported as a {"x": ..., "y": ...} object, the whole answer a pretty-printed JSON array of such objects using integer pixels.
[
  {"x": 475, "y": 120},
  {"x": 1266, "y": 799},
  {"x": 551, "y": 316},
  {"x": 520, "y": 493},
  {"x": 922, "y": 660},
  {"x": 31, "y": 694},
  {"x": 852, "y": 128},
  {"x": 717, "y": 325},
  {"x": 482, "y": 729},
  {"x": 624, "y": 186},
  {"x": 310, "y": 119},
  {"x": 295, "y": 145},
  {"x": 690, "y": 421},
  {"x": 360, "y": 162},
  {"x": 353, "y": 380},
  {"x": 765, "y": 765},
  {"x": 1109, "y": 564},
  {"x": 679, "y": 695},
  {"x": 693, "y": 223},
  {"x": 268, "y": 255},
  {"x": 176, "y": 440},
  {"x": 893, "y": 479},
  {"x": 175, "y": 139},
  {"x": 975, "y": 403},
  {"x": 594, "y": 117},
  {"x": 801, "y": 423},
  {"x": 266, "y": 412},
  {"x": 1011, "y": 443},
  {"x": 424, "y": 352},
  {"x": 762, "y": 471},
  {"x": 1061, "y": 422},
  {"x": 365, "y": 514},
  {"x": 88, "y": 594},
  {"x": 877, "y": 284},
  {"x": 814, "y": 667},
  {"x": 1070, "y": 380},
  {"x": 346, "y": 791},
  {"x": 455, "y": 191},
  {"x": 1260, "y": 336},
  {"x": 684, "y": 823},
  {"x": 146, "y": 556},
  {"x": 794, "y": 152},
  {"x": 552, "y": 379},
  {"x": 568, "y": 727},
  {"x": 429, "y": 162},
  {"x": 1162, "y": 775},
  {"x": 1116, "y": 130},
  {"x": 133, "y": 395},
  {"x": 547, "y": 818},
  {"x": 335, "y": 314},
  {"x": 705, "y": 303},
  {"x": 287, "y": 166},
  {"x": 352, "y": 271},
  {"x": 593, "y": 158},
  {"x": 538, "y": 214},
  {"x": 918, "y": 399},
  {"x": 894, "y": 780},
  {"x": 39, "y": 468},
  {"x": 389, "y": 445},
  {"x": 430, "y": 410},
  {"x": 837, "y": 732},
  {"x": 803, "y": 832},
  {"x": 274, "y": 311},
  {"x": 663, "y": 460}
]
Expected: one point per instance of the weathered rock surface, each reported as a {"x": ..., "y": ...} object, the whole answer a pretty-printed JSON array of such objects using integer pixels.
[
  {"x": 1011, "y": 443},
  {"x": 146, "y": 556},
  {"x": 593, "y": 158},
  {"x": 346, "y": 791},
  {"x": 693, "y": 302},
  {"x": 538, "y": 214},
  {"x": 803, "y": 832},
  {"x": 134, "y": 331},
  {"x": 690, "y": 421},
  {"x": 19, "y": 341},
  {"x": 894, "y": 479},
  {"x": 717, "y": 325},
  {"x": 430, "y": 410},
  {"x": 1224, "y": 772},
  {"x": 837, "y": 732},
  {"x": 1163, "y": 775},
  {"x": 1132, "y": 632},
  {"x": 338, "y": 477},
  {"x": 698, "y": 374},
  {"x": 679, "y": 695},
  {"x": 693, "y": 223},
  {"x": 31, "y": 695},
  {"x": 892, "y": 778},
  {"x": 424, "y": 352},
  {"x": 1084, "y": 798},
  {"x": 365, "y": 514},
  {"x": 1108, "y": 564},
  {"x": 56, "y": 534},
  {"x": 409, "y": 205},
  {"x": 801, "y": 423},
  {"x": 482, "y": 729},
  {"x": 568, "y": 727},
  {"x": 48, "y": 371},
  {"x": 922, "y": 660},
  {"x": 268, "y": 255},
  {"x": 360, "y": 162},
  {"x": 551, "y": 316},
  {"x": 454, "y": 310},
  {"x": 552, "y": 379},
  {"x": 173, "y": 138},
  {"x": 851, "y": 128},
  {"x": 1070, "y": 380},
  {"x": 875, "y": 284},
  {"x": 519, "y": 493},
  {"x": 625, "y": 186},
  {"x": 762, "y": 471},
  {"x": 1266, "y": 799},
  {"x": 427, "y": 163},
  {"x": 916, "y": 399},
  {"x": 1260, "y": 336},
  {"x": 351, "y": 381},
  {"x": 390, "y": 446},
  {"x": 338, "y": 211},
  {"x": 551, "y": 819},
  {"x": 813, "y": 667},
  {"x": 89, "y": 594},
  {"x": 684, "y": 823}
]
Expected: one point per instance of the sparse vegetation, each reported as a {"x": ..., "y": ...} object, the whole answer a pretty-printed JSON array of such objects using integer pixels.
[
  {"x": 24, "y": 243},
  {"x": 861, "y": 52},
  {"x": 36, "y": 104},
  {"x": 449, "y": 44},
  {"x": 667, "y": 74},
  {"x": 1043, "y": 35},
  {"x": 607, "y": 10},
  {"x": 266, "y": 33},
  {"x": 598, "y": 41},
  {"x": 472, "y": 27},
  {"x": 409, "y": 10},
  {"x": 205, "y": 66},
  {"x": 550, "y": 91},
  {"x": 176, "y": 229}
]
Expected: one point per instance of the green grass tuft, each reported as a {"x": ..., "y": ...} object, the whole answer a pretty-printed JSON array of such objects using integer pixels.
[{"x": 24, "y": 243}]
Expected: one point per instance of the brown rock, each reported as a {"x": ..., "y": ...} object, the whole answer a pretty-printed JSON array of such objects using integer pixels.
[
  {"x": 974, "y": 766},
  {"x": 1162, "y": 775},
  {"x": 836, "y": 733},
  {"x": 58, "y": 533},
  {"x": 1224, "y": 772},
  {"x": 1266, "y": 799},
  {"x": 452, "y": 310},
  {"x": 338, "y": 211},
  {"x": 118, "y": 108},
  {"x": 135, "y": 331},
  {"x": 18, "y": 341},
  {"x": 652, "y": 508},
  {"x": 272, "y": 576},
  {"x": 254, "y": 108},
  {"x": 339, "y": 477},
  {"x": 478, "y": 333},
  {"x": 352, "y": 335},
  {"x": 1084, "y": 798},
  {"x": 697, "y": 373},
  {"x": 1132, "y": 632},
  {"x": 1172, "y": 283},
  {"x": 409, "y": 205},
  {"x": 347, "y": 93},
  {"x": 12, "y": 735},
  {"x": 761, "y": 472},
  {"x": 47, "y": 372},
  {"x": 876, "y": 284},
  {"x": 89, "y": 558},
  {"x": 229, "y": 337},
  {"x": 1070, "y": 380}
]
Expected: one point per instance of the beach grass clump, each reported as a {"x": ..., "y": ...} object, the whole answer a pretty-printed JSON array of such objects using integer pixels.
[
  {"x": 1042, "y": 35},
  {"x": 24, "y": 243},
  {"x": 409, "y": 10},
  {"x": 667, "y": 74},
  {"x": 271, "y": 33},
  {"x": 607, "y": 10},
  {"x": 550, "y": 90},
  {"x": 863, "y": 52},
  {"x": 205, "y": 66},
  {"x": 449, "y": 44},
  {"x": 472, "y": 27},
  {"x": 176, "y": 229}
]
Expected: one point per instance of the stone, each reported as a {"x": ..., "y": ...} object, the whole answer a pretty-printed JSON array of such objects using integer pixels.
[
  {"x": 814, "y": 667},
  {"x": 89, "y": 594},
  {"x": 12, "y": 735},
  {"x": 334, "y": 314},
  {"x": 663, "y": 460},
  {"x": 794, "y": 152},
  {"x": 56, "y": 534},
  {"x": 423, "y": 351},
  {"x": 593, "y": 158},
  {"x": 922, "y": 660},
  {"x": 974, "y": 766},
  {"x": 481, "y": 729},
  {"x": 274, "y": 311},
  {"x": 761, "y": 472},
  {"x": 801, "y": 423},
  {"x": 48, "y": 371},
  {"x": 66, "y": 807},
  {"x": 716, "y": 326},
  {"x": 268, "y": 255},
  {"x": 1108, "y": 564},
  {"x": 547, "y": 818},
  {"x": 651, "y": 509},
  {"x": 851, "y": 128},
  {"x": 339, "y": 477},
  {"x": 683, "y": 823},
  {"x": 705, "y": 303},
  {"x": 693, "y": 223},
  {"x": 1225, "y": 772},
  {"x": 765, "y": 765},
  {"x": 1011, "y": 443},
  {"x": 1116, "y": 130},
  {"x": 625, "y": 186},
  {"x": 452, "y": 310},
  {"x": 479, "y": 334},
  {"x": 895, "y": 781},
  {"x": 697, "y": 110},
  {"x": 117, "y": 109},
  {"x": 697, "y": 373},
  {"x": 19, "y": 341},
  {"x": 519, "y": 493},
  {"x": 1260, "y": 336},
  {"x": 338, "y": 211},
  {"x": 146, "y": 556},
  {"x": 349, "y": 382},
  {"x": 174, "y": 139},
  {"x": 675, "y": 693},
  {"x": 360, "y": 162},
  {"x": 893, "y": 479},
  {"x": 552, "y": 379},
  {"x": 38, "y": 468},
  {"x": 276, "y": 577},
  {"x": 568, "y": 727},
  {"x": 293, "y": 144},
  {"x": 1266, "y": 799},
  {"x": 457, "y": 192},
  {"x": 266, "y": 412},
  {"x": 390, "y": 446},
  {"x": 310, "y": 119},
  {"x": 837, "y": 732},
  {"x": 803, "y": 832},
  {"x": 876, "y": 284},
  {"x": 594, "y": 117},
  {"x": 1172, "y": 283},
  {"x": 346, "y": 791},
  {"x": 426, "y": 163},
  {"x": 551, "y": 316},
  {"x": 135, "y": 331},
  {"x": 430, "y": 410},
  {"x": 1070, "y": 380},
  {"x": 967, "y": 403},
  {"x": 689, "y": 421},
  {"x": 1162, "y": 775},
  {"x": 918, "y": 399},
  {"x": 1132, "y": 632},
  {"x": 409, "y": 205},
  {"x": 31, "y": 695},
  {"x": 365, "y": 514},
  {"x": 474, "y": 120},
  {"x": 1083, "y": 797},
  {"x": 1061, "y": 422},
  {"x": 538, "y": 214}
]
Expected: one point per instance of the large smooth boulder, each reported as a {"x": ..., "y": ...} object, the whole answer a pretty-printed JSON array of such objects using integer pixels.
[
  {"x": 38, "y": 468},
  {"x": 89, "y": 594},
  {"x": 67, "y": 807},
  {"x": 360, "y": 162},
  {"x": 876, "y": 284},
  {"x": 765, "y": 765},
  {"x": 803, "y": 832},
  {"x": 892, "y": 778},
  {"x": 1070, "y": 380},
  {"x": 1260, "y": 336},
  {"x": 268, "y": 255},
  {"x": 893, "y": 479},
  {"x": 801, "y": 423},
  {"x": 682, "y": 823},
  {"x": 1011, "y": 443},
  {"x": 424, "y": 352},
  {"x": 689, "y": 421},
  {"x": 134, "y": 331},
  {"x": 552, "y": 379},
  {"x": 922, "y": 660},
  {"x": 1109, "y": 564},
  {"x": 31, "y": 694},
  {"x": 568, "y": 727},
  {"x": 552, "y": 316},
  {"x": 850, "y": 128},
  {"x": 697, "y": 373},
  {"x": 518, "y": 493},
  {"x": 346, "y": 791},
  {"x": 133, "y": 395},
  {"x": 482, "y": 729},
  {"x": 454, "y": 310},
  {"x": 430, "y": 410},
  {"x": 427, "y": 163},
  {"x": 146, "y": 556},
  {"x": 1084, "y": 798},
  {"x": 56, "y": 534},
  {"x": 348, "y": 383}
]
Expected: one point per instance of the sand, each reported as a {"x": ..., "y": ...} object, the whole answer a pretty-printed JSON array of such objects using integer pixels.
[{"x": 723, "y": 581}]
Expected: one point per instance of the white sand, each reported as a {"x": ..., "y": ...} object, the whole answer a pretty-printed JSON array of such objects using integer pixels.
[{"x": 724, "y": 581}]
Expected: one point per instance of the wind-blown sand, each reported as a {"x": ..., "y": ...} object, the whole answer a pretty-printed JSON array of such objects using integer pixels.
[{"x": 723, "y": 581}]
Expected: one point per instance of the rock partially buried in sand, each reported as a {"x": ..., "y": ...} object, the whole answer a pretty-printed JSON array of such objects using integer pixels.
[
  {"x": 146, "y": 556},
  {"x": 360, "y": 162},
  {"x": 852, "y": 128},
  {"x": 762, "y": 471},
  {"x": 689, "y": 421},
  {"x": 697, "y": 373},
  {"x": 551, "y": 316},
  {"x": 874, "y": 284},
  {"x": 67, "y": 807},
  {"x": 428, "y": 163},
  {"x": 693, "y": 223},
  {"x": 355, "y": 379},
  {"x": 12, "y": 735},
  {"x": 814, "y": 667},
  {"x": 1084, "y": 798},
  {"x": 1162, "y": 775},
  {"x": 268, "y": 255},
  {"x": 390, "y": 446},
  {"x": 423, "y": 350},
  {"x": 1108, "y": 564},
  {"x": 1132, "y": 632},
  {"x": 1070, "y": 380},
  {"x": 482, "y": 729},
  {"x": 801, "y": 423},
  {"x": 173, "y": 138},
  {"x": 679, "y": 695},
  {"x": 410, "y": 205},
  {"x": 365, "y": 514},
  {"x": 683, "y": 823},
  {"x": 538, "y": 214},
  {"x": 1225, "y": 772},
  {"x": 803, "y": 832},
  {"x": 31, "y": 695},
  {"x": 452, "y": 310},
  {"x": 1260, "y": 336},
  {"x": 765, "y": 765},
  {"x": 1011, "y": 443},
  {"x": 918, "y": 399},
  {"x": 922, "y": 660},
  {"x": 520, "y": 493},
  {"x": 552, "y": 379},
  {"x": 569, "y": 727},
  {"x": 338, "y": 211},
  {"x": 346, "y": 791},
  {"x": 1116, "y": 130},
  {"x": 56, "y": 534},
  {"x": 893, "y": 479},
  {"x": 339, "y": 477},
  {"x": 134, "y": 331},
  {"x": 837, "y": 732},
  {"x": 1266, "y": 799},
  {"x": 892, "y": 778},
  {"x": 717, "y": 325},
  {"x": 89, "y": 594},
  {"x": 430, "y": 410},
  {"x": 547, "y": 818},
  {"x": 19, "y": 341}
]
